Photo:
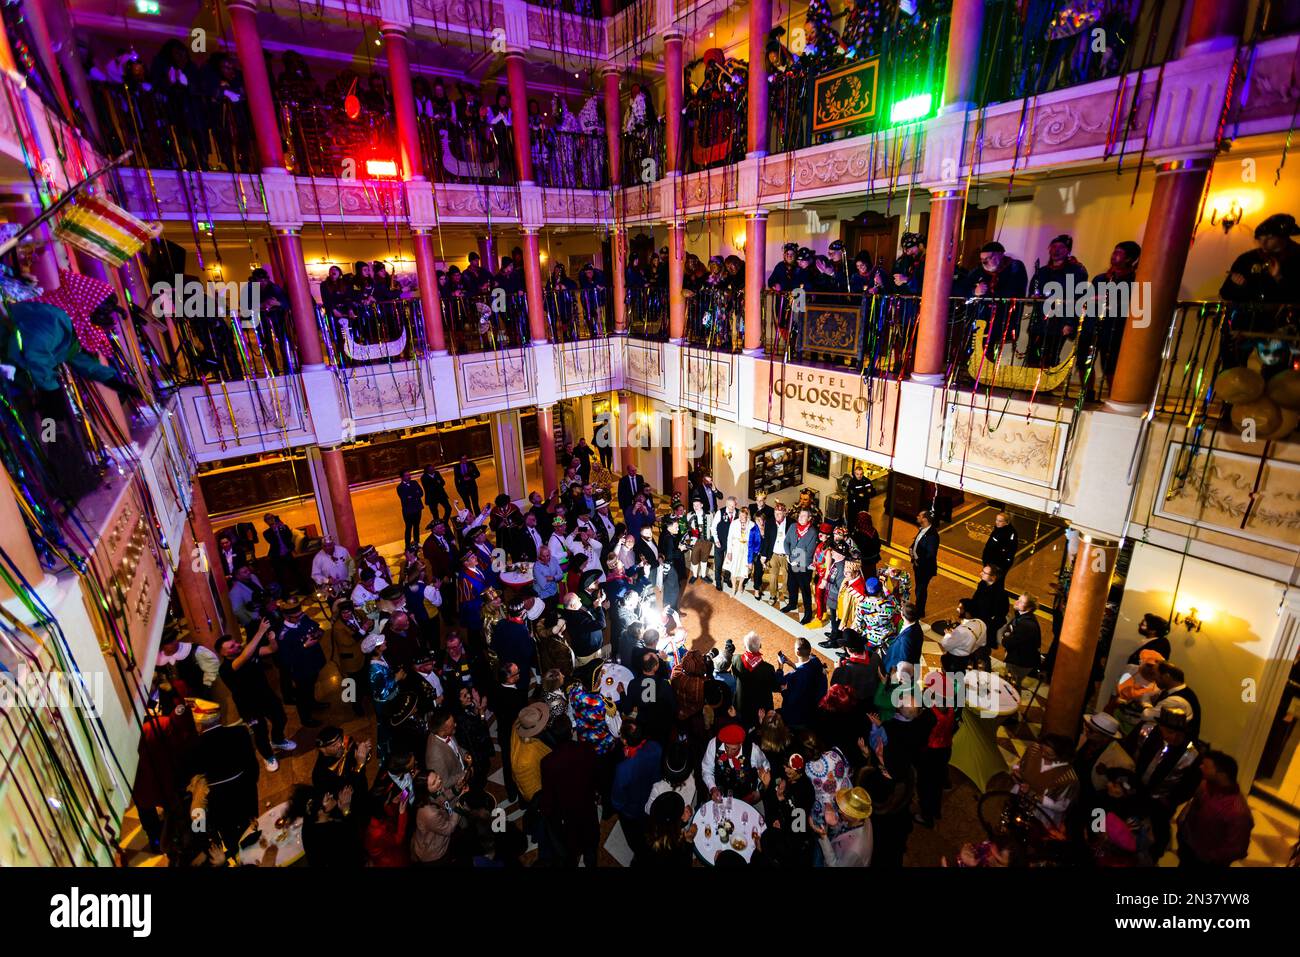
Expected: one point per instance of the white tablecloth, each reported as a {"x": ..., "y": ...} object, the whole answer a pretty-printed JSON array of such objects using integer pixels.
[
  {"x": 746, "y": 819},
  {"x": 288, "y": 838}
]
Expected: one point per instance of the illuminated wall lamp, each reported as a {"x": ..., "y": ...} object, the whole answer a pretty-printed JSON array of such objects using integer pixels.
[
  {"x": 1231, "y": 218},
  {"x": 738, "y": 241},
  {"x": 727, "y": 450},
  {"x": 1190, "y": 621},
  {"x": 378, "y": 168}
]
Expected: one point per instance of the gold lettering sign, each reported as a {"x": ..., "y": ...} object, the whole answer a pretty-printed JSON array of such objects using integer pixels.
[
  {"x": 846, "y": 97},
  {"x": 826, "y": 404}
]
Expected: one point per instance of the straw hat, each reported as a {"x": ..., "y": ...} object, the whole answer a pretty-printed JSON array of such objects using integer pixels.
[{"x": 854, "y": 803}]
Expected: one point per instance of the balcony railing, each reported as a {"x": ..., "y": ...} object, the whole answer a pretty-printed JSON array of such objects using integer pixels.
[
  {"x": 647, "y": 313},
  {"x": 643, "y": 153},
  {"x": 486, "y": 322},
  {"x": 377, "y": 334},
  {"x": 873, "y": 334},
  {"x": 475, "y": 153},
  {"x": 715, "y": 319},
  {"x": 565, "y": 159},
  {"x": 576, "y": 314}
]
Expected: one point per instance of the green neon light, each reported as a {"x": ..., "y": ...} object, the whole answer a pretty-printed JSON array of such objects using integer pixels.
[
  {"x": 149, "y": 7},
  {"x": 911, "y": 109}
]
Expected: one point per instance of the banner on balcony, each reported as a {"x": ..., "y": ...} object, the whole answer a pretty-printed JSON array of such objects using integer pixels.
[
  {"x": 832, "y": 330},
  {"x": 846, "y": 97},
  {"x": 833, "y": 406}
]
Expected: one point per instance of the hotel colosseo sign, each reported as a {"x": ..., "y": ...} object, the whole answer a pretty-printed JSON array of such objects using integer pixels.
[{"x": 842, "y": 407}]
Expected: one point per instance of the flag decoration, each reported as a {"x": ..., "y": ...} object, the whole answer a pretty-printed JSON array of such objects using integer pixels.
[{"x": 104, "y": 230}]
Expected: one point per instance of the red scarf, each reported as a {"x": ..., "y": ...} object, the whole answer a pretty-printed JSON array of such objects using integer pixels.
[
  {"x": 802, "y": 530},
  {"x": 750, "y": 659}
]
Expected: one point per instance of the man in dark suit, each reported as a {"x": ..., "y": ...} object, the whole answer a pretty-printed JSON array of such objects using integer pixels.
[
  {"x": 707, "y": 494},
  {"x": 435, "y": 492},
  {"x": 760, "y": 507},
  {"x": 228, "y": 556},
  {"x": 906, "y": 645},
  {"x": 1173, "y": 684},
  {"x": 279, "y": 540},
  {"x": 583, "y": 452},
  {"x": 507, "y": 698},
  {"x": 466, "y": 478},
  {"x": 925, "y": 558},
  {"x": 1000, "y": 549},
  {"x": 411, "y": 496},
  {"x": 527, "y": 541},
  {"x": 443, "y": 556},
  {"x": 803, "y": 687},
  {"x": 629, "y": 487}
]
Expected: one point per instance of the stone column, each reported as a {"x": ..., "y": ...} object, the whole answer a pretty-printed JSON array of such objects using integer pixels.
[
  {"x": 618, "y": 276},
  {"x": 613, "y": 125},
  {"x": 205, "y": 537},
  {"x": 194, "y": 591},
  {"x": 1171, "y": 220},
  {"x": 426, "y": 272},
  {"x": 755, "y": 274},
  {"x": 519, "y": 116},
  {"x": 302, "y": 305},
  {"x": 674, "y": 101},
  {"x": 964, "y": 37},
  {"x": 626, "y": 414},
  {"x": 546, "y": 448},
  {"x": 257, "y": 84},
  {"x": 508, "y": 454},
  {"x": 411, "y": 164},
  {"x": 760, "y": 24},
  {"x": 1089, "y": 586},
  {"x": 929, "y": 366},
  {"x": 340, "y": 494},
  {"x": 676, "y": 282},
  {"x": 533, "y": 286},
  {"x": 681, "y": 463}
]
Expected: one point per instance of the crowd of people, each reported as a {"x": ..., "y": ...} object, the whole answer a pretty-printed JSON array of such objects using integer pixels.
[{"x": 545, "y": 638}]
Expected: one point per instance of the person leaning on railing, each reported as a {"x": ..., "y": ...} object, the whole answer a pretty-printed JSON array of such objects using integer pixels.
[{"x": 1270, "y": 273}]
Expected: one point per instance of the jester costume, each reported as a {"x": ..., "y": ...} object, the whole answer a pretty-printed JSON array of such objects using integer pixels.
[{"x": 470, "y": 587}]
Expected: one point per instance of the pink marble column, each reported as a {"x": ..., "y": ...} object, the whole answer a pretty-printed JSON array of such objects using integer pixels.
[
  {"x": 426, "y": 273},
  {"x": 674, "y": 100},
  {"x": 613, "y": 127},
  {"x": 533, "y": 286},
  {"x": 964, "y": 38},
  {"x": 399, "y": 78},
  {"x": 755, "y": 273},
  {"x": 257, "y": 84},
  {"x": 519, "y": 116},
  {"x": 676, "y": 282},
  {"x": 940, "y": 256},
  {"x": 298, "y": 287},
  {"x": 760, "y": 23},
  {"x": 618, "y": 277}
]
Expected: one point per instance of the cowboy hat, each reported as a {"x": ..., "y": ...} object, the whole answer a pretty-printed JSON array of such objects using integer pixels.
[
  {"x": 1103, "y": 724},
  {"x": 854, "y": 803},
  {"x": 533, "y": 719}
]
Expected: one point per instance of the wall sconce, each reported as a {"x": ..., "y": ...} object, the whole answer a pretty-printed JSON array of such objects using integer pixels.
[
  {"x": 738, "y": 240},
  {"x": 727, "y": 450},
  {"x": 1191, "y": 621},
  {"x": 1229, "y": 219}
]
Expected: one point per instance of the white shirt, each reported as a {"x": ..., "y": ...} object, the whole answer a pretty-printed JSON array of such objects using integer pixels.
[
  {"x": 686, "y": 789},
  {"x": 559, "y": 547},
  {"x": 589, "y": 554},
  {"x": 970, "y": 635},
  {"x": 327, "y": 569},
  {"x": 779, "y": 547},
  {"x": 432, "y": 678},
  {"x": 361, "y": 594},
  {"x": 757, "y": 760}
]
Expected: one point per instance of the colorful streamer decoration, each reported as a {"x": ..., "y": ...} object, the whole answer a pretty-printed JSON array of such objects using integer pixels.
[{"x": 104, "y": 230}]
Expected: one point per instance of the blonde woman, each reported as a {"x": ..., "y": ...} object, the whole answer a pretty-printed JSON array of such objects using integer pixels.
[{"x": 737, "y": 558}]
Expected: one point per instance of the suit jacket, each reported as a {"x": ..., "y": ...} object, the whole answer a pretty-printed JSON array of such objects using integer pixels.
[
  {"x": 767, "y": 511},
  {"x": 521, "y": 546},
  {"x": 1188, "y": 695},
  {"x": 799, "y": 548},
  {"x": 466, "y": 475},
  {"x": 435, "y": 486},
  {"x": 906, "y": 646},
  {"x": 629, "y": 487},
  {"x": 440, "y": 758},
  {"x": 280, "y": 540},
  {"x": 925, "y": 553},
  {"x": 711, "y": 497},
  {"x": 443, "y": 562}
]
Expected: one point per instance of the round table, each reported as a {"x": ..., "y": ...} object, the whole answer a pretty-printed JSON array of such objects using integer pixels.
[
  {"x": 987, "y": 699},
  {"x": 288, "y": 838},
  {"x": 745, "y": 817},
  {"x": 518, "y": 579}
]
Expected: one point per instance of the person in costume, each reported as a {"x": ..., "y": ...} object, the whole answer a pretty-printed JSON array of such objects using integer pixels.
[{"x": 732, "y": 765}]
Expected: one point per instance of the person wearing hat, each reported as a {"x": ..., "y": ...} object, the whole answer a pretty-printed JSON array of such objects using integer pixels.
[
  {"x": 784, "y": 275},
  {"x": 301, "y": 656},
  {"x": 1270, "y": 273},
  {"x": 470, "y": 588},
  {"x": 1154, "y": 631},
  {"x": 512, "y": 640},
  {"x": 846, "y": 839},
  {"x": 1055, "y": 280},
  {"x": 1098, "y": 749},
  {"x": 607, "y": 530},
  {"x": 332, "y": 566},
  {"x": 731, "y": 765},
  {"x": 838, "y": 278},
  {"x": 1172, "y": 683},
  {"x": 1166, "y": 761},
  {"x": 528, "y": 748},
  {"x": 1099, "y": 329},
  {"x": 909, "y": 268}
]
